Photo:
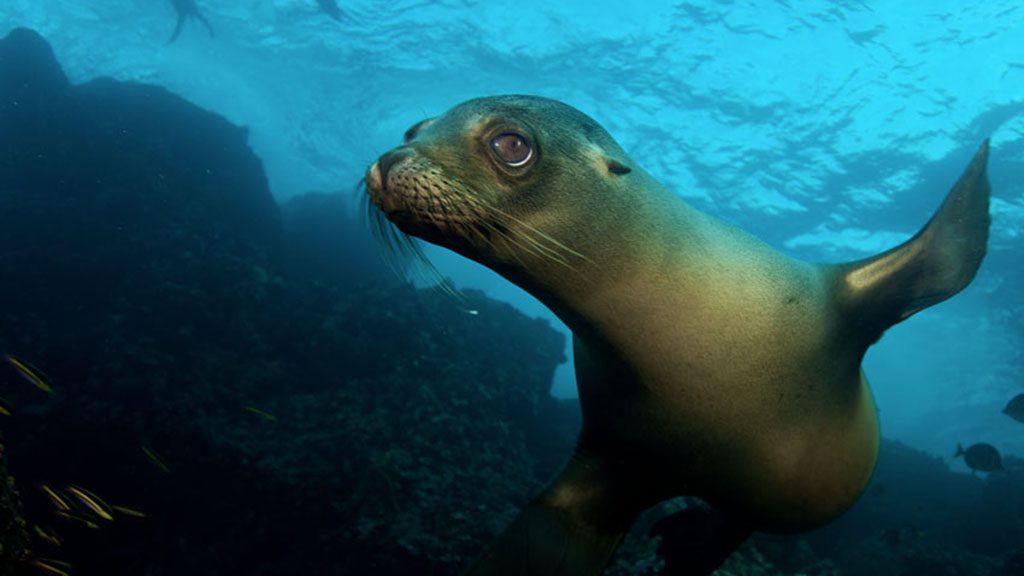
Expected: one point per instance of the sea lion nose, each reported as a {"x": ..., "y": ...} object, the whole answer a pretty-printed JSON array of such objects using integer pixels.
[{"x": 385, "y": 162}]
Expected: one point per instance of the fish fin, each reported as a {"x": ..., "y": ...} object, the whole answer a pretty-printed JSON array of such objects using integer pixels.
[
  {"x": 959, "y": 450},
  {"x": 572, "y": 529},
  {"x": 939, "y": 261}
]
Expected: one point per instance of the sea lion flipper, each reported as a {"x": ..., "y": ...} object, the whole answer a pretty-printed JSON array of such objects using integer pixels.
[
  {"x": 935, "y": 264},
  {"x": 571, "y": 529},
  {"x": 696, "y": 541},
  {"x": 178, "y": 27},
  {"x": 206, "y": 23}
]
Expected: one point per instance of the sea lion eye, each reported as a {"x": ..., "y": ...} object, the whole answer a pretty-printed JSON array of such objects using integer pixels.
[{"x": 512, "y": 149}]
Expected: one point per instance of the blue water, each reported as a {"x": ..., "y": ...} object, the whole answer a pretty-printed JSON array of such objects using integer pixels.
[{"x": 830, "y": 129}]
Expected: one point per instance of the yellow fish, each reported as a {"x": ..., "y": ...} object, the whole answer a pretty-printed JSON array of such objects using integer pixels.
[
  {"x": 59, "y": 502},
  {"x": 266, "y": 416},
  {"x": 129, "y": 511},
  {"x": 30, "y": 373},
  {"x": 77, "y": 518},
  {"x": 91, "y": 501},
  {"x": 156, "y": 460},
  {"x": 49, "y": 537},
  {"x": 51, "y": 566}
]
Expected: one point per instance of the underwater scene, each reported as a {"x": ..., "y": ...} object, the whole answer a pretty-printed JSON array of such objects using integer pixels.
[{"x": 522, "y": 288}]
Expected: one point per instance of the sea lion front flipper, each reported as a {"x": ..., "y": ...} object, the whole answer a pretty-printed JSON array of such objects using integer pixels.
[
  {"x": 571, "y": 529},
  {"x": 935, "y": 264}
]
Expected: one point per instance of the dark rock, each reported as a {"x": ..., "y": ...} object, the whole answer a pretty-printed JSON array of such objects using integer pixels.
[
  {"x": 117, "y": 199},
  {"x": 15, "y": 551},
  {"x": 29, "y": 75},
  {"x": 312, "y": 417}
]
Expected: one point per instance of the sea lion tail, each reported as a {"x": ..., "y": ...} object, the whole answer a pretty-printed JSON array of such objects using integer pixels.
[
  {"x": 935, "y": 264},
  {"x": 571, "y": 529}
]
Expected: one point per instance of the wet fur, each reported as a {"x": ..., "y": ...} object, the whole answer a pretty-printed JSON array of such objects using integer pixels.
[{"x": 708, "y": 364}]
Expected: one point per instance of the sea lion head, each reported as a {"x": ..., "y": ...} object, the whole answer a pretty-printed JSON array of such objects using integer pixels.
[{"x": 501, "y": 180}]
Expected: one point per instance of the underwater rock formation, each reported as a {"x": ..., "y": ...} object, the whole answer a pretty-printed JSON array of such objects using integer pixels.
[
  {"x": 254, "y": 384},
  {"x": 14, "y": 543},
  {"x": 115, "y": 196}
]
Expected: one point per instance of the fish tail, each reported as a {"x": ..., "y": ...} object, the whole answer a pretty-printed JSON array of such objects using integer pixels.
[{"x": 959, "y": 451}]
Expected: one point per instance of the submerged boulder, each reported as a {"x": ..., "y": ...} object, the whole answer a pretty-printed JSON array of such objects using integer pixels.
[{"x": 122, "y": 208}]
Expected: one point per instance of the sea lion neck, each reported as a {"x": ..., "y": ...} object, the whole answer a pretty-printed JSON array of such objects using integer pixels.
[{"x": 626, "y": 237}]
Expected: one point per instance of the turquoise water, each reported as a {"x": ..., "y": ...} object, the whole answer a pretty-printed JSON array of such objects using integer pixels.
[{"x": 830, "y": 129}]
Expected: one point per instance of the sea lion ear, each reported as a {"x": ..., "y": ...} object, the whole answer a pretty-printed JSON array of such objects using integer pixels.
[{"x": 616, "y": 167}]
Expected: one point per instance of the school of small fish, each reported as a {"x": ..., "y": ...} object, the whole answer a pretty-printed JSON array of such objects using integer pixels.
[{"x": 73, "y": 503}]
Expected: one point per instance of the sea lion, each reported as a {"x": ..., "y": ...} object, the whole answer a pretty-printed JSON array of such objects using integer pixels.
[
  {"x": 187, "y": 9},
  {"x": 708, "y": 363},
  {"x": 331, "y": 8}
]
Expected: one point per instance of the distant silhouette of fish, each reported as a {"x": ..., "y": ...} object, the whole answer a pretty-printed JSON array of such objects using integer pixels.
[
  {"x": 30, "y": 373},
  {"x": 1015, "y": 408},
  {"x": 187, "y": 9},
  {"x": 330, "y": 7},
  {"x": 981, "y": 456}
]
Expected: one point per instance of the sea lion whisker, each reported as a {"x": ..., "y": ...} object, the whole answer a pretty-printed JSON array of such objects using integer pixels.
[
  {"x": 529, "y": 248},
  {"x": 541, "y": 250},
  {"x": 533, "y": 245},
  {"x": 555, "y": 243}
]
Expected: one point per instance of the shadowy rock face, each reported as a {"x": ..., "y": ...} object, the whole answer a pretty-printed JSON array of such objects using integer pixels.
[
  {"x": 14, "y": 543},
  {"x": 256, "y": 385},
  {"x": 30, "y": 78},
  {"x": 122, "y": 207}
]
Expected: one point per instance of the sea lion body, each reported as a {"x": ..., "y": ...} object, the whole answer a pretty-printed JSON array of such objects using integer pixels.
[
  {"x": 186, "y": 9},
  {"x": 708, "y": 363}
]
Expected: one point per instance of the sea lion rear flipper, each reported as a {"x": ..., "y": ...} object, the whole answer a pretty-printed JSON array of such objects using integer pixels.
[
  {"x": 572, "y": 529},
  {"x": 935, "y": 264},
  {"x": 696, "y": 541},
  {"x": 205, "y": 23},
  {"x": 177, "y": 28}
]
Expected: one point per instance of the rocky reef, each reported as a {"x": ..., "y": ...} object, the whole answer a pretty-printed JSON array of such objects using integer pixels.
[
  {"x": 14, "y": 540},
  {"x": 250, "y": 377}
]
